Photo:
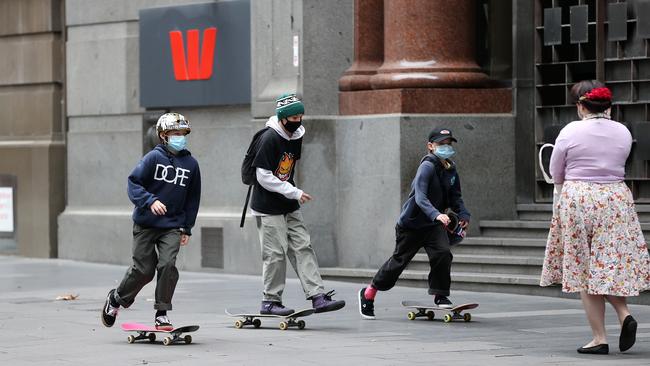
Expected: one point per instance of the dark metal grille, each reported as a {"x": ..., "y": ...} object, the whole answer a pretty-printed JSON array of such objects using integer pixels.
[
  {"x": 212, "y": 247},
  {"x": 599, "y": 39}
]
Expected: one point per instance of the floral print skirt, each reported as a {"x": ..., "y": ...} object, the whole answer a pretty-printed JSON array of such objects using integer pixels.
[{"x": 595, "y": 243}]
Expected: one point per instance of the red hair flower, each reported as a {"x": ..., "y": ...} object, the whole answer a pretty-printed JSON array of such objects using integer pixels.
[{"x": 603, "y": 94}]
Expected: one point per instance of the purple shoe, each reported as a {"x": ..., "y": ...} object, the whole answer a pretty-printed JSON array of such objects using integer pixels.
[
  {"x": 275, "y": 308},
  {"x": 323, "y": 302}
]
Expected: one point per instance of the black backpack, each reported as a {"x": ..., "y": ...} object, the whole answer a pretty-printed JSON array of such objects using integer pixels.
[{"x": 248, "y": 175}]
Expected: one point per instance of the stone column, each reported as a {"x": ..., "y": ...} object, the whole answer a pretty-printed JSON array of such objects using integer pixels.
[
  {"x": 429, "y": 43},
  {"x": 429, "y": 63},
  {"x": 368, "y": 45}
]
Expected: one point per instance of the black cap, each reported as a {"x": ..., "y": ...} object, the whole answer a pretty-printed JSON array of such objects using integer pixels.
[{"x": 440, "y": 134}]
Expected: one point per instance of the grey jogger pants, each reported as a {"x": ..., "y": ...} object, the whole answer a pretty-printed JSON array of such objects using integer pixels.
[
  {"x": 282, "y": 237},
  {"x": 146, "y": 262}
]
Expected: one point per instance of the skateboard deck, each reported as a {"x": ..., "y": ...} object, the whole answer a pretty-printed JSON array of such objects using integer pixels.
[
  {"x": 148, "y": 332},
  {"x": 428, "y": 311},
  {"x": 254, "y": 318}
]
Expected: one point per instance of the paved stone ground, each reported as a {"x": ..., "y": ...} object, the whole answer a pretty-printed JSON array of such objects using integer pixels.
[{"x": 506, "y": 329}]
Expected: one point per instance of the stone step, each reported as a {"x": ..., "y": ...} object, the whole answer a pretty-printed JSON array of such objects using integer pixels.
[
  {"x": 471, "y": 263},
  {"x": 483, "y": 245},
  {"x": 535, "y": 211},
  {"x": 514, "y": 228},
  {"x": 527, "y": 229},
  {"x": 496, "y": 241},
  {"x": 644, "y": 213},
  {"x": 543, "y": 212},
  {"x": 495, "y": 278},
  {"x": 467, "y": 281}
]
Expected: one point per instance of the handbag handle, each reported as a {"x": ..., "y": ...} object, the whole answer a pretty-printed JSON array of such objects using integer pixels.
[{"x": 547, "y": 178}]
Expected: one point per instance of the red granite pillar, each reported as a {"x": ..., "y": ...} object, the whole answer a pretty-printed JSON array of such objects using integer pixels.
[
  {"x": 429, "y": 64},
  {"x": 429, "y": 43},
  {"x": 368, "y": 45}
]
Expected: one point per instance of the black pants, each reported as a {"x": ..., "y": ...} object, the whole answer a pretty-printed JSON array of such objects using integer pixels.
[
  {"x": 146, "y": 262},
  {"x": 435, "y": 242}
]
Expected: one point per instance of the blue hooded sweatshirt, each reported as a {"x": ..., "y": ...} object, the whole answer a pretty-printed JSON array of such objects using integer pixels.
[
  {"x": 433, "y": 190},
  {"x": 174, "y": 180}
]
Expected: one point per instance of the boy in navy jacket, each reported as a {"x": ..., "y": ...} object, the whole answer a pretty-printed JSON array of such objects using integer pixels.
[
  {"x": 165, "y": 188},
  {"x": 422, "y": 224}
]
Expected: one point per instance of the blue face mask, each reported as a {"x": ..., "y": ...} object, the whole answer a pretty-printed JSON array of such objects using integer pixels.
[
  {"x": 177, "y": 143},
  {"x": 444, "y": 151}
]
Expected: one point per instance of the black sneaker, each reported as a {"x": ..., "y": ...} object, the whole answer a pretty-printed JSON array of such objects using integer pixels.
[
  {"x": 109, "y": 312},
  {"x": 162, "y": 323},
  {"x": 366, "y": 307},
  {"x": 275, "y": 308},
  {"x": 443, "y": 302}
]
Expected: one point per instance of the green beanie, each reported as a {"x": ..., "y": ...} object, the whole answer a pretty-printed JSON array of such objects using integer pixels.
[{"x": 288, "y": 105}]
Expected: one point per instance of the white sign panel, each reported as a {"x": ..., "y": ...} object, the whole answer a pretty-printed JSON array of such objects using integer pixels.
[
  {"x": 6, "y": 209},
  {"x": 296, "y": 51}
]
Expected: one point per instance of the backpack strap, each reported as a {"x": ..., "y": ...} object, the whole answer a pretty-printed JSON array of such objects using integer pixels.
[
  {"x": 436, "y": 163},
  {"x": 243, "y": 214}
]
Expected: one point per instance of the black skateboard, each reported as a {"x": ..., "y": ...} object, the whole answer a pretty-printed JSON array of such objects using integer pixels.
[
  {"x": 428, "y": 311},
  {"x": 253, "y": 318}
]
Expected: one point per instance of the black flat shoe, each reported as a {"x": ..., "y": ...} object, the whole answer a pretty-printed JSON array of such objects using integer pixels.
[
  {"x": 601, "y": 349},
  {"x": 628, "y": 334}
]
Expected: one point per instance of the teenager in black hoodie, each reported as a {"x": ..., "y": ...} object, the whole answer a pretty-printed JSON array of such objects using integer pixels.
[{"x": 276, "y": 206}]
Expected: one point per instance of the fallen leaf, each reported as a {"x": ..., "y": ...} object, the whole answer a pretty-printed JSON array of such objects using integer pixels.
[{"x": 67, "y": 297}]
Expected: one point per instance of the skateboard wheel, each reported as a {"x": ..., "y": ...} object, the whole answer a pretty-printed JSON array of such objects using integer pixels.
[
  {"x": 239, "y": 324},
  {"x": 411, "y": 315},
  {"x": 284, "y": 325},
  {"x": 430, "y": 315},
  {"x": 167, "y": 341},
  {"x": 130, "y": 339},
  {"x": 152, "y": 337},
  {"x": 188, "y": 339},
  {"x": 257, "y": 323},
  {"x": 447, "y": 318},
  {"x": 301, "y": 324},
  {"x": 467, "y": 317}
]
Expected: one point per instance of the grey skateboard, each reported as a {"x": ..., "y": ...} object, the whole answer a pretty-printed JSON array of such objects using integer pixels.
[
  {"x": 254, "y": 318},
  {"x": 428, "y": 311}
]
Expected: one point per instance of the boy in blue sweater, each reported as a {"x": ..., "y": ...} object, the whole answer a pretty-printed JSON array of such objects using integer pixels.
[
  {"x": 422, "y": 224},
  {"x": 165, "y": 188}
]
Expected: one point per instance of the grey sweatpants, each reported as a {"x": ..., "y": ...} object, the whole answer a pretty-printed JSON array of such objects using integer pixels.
[
  {"x": 146, "y": 262},
  {"x": 282, "y": 237}
]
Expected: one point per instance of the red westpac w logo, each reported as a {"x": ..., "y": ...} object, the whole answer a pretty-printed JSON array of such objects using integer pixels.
[{"x": 190, "y": 68}]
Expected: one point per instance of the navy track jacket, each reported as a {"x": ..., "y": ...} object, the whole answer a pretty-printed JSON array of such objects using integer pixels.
[{"x": 433, "y": 190}]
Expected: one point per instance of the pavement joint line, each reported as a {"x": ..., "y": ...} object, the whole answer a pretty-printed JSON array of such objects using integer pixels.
[
  {"x": 581, "y": 328},
  {"x": 518, "y": 314}
]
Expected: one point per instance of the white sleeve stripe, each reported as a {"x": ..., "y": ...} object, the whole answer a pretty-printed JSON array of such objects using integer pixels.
[{"x": 272, "y": 183}]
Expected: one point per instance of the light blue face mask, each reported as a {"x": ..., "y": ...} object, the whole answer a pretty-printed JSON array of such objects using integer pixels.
[
  {"x": 177, "y": 143},
  {"x": 444, "y": 151}
]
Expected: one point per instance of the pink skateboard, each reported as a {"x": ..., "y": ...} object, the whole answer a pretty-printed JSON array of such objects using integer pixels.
[{"x": 174, "y": 334}]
